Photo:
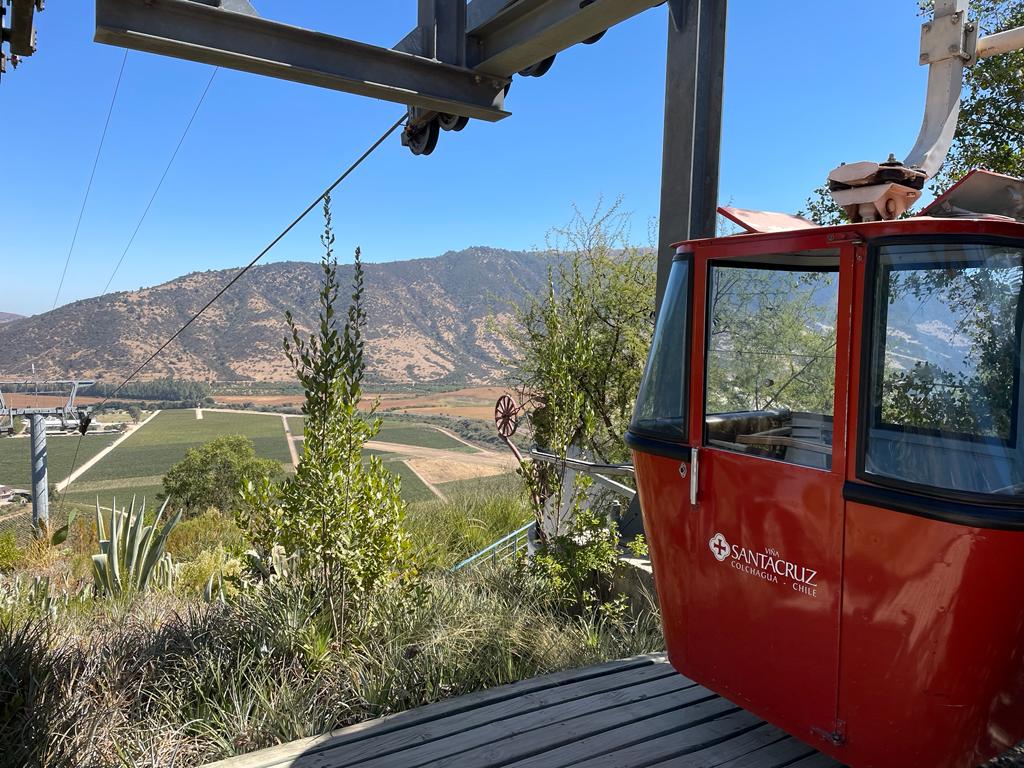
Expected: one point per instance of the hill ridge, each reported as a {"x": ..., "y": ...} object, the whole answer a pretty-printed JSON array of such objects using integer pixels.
[{"x": 429, "y": 321}]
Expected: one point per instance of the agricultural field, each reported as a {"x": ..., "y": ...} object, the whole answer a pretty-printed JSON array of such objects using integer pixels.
[
  {"x": 405, "y": 433},
  {"x": 137, "y": 466},
  {"x": 431, "y": 463},
  {"x": 469, "y": 402},
  {"x": 14, "y": 456}
]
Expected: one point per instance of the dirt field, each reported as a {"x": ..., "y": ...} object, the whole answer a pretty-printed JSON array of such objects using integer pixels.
[
  {"x": 470, "y": 402},
  {"x": 28, "y": 400}
]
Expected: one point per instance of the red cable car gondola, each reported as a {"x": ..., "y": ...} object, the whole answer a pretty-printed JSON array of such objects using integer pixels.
[{"x": 829, "y": 453}]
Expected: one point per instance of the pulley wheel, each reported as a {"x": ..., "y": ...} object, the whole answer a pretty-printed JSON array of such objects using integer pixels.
[
  {"x": 539, "y": 69},
  {"x": 422, "y": 139},
  {"x": 452, "y": 122},
  {"x": 594, "y": 38},
  {"x": 506, "y": 416}
]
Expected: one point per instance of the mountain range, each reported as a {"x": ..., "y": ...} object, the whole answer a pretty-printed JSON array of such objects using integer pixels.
[{"x": 430, "y": 320}]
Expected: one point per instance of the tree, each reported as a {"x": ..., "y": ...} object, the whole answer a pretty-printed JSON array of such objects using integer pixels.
[
  {"x": 342, "y": 514},
  {"x": 214, "y": 474},
  {"x": 583, "y": 343},
  {"x": 134, "y": 413}
]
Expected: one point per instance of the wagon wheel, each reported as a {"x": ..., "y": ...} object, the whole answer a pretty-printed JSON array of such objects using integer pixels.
[{"x": 506, "y": 416}]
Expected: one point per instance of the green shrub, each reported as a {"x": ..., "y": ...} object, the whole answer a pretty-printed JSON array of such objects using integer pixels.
[
  {"x": 344, "y": 516},
  {"x": 213, "y": 570},
  {"x": 192, "y": 537},
  {"x": 214, "y": 474},
  {"x": 10, "y": 554}
]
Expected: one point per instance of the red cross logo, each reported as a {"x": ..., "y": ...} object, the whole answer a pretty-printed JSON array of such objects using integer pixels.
[{"x": 719, "y": 547}]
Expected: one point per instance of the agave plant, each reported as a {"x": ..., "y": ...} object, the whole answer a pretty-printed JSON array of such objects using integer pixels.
[{"x": 132, "y": 556}]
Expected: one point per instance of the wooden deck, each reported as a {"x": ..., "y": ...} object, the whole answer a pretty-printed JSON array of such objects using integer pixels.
[{"x": 626, "y": 714}]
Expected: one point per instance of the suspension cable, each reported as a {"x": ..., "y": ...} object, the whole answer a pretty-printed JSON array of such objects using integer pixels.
[
  {"x": 344, "y": 175},
  {"x": 152, "y": 197},
  {"x": 92, "y": 175}
]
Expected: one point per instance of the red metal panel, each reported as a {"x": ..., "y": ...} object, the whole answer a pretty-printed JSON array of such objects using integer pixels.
[
  {"x": 665, "y": 501},
  {"x": 762, "y": 637},
  {"x": 933, "y": 642},
  {"x": 763, "y": 623}
]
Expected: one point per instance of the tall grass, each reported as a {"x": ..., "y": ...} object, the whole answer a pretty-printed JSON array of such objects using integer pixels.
[
  {"x": 164, "y": 681},
  {"x": 446, "y": 532}
]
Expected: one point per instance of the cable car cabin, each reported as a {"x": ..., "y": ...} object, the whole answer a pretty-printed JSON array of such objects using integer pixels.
[{"x": 829, "y": 453}]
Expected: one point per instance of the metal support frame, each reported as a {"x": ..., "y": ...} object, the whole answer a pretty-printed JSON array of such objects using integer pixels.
[
  {"x": 192, "y": 30},
  {"x": 458, "y": 61},
  {"x": 40, "y": 486},
  {"x": 868, "y": 191},
  {"x": 442, "y": 31},
  {"x": 947, "y": 44},
  {"x": 694, "y": 84},
  {"x": 37, "y": 437},
  {"x": 22, "y": 33}
]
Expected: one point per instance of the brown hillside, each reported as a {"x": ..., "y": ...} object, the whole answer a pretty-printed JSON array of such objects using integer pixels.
[{"x": 428, "y": 322}]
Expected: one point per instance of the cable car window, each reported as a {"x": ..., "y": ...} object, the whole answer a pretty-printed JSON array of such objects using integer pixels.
[
  {"x": 661, "y": 405},
  {"x": 945, "y": 367},
  {"x": 771, "y": 353}
]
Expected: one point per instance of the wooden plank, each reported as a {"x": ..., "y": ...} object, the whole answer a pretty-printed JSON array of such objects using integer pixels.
[
  {"x": 366, "y": 756},
  {"x": 282, "y": 753},
  {"x": 775, "y": 755},
  {"x": 648, "y": 741},
  {"x": 553, "y": 698},
  {"x": 502, "y": 751},
  {"x": 706, "y": 746},
  {"x": 817, "y": 760}
]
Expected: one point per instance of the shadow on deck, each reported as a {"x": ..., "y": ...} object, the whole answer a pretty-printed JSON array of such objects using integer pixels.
[{"x": 629, "y": 713}]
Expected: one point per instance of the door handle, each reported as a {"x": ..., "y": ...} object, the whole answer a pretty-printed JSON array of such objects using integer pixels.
[{"x": 694, "y": 464}]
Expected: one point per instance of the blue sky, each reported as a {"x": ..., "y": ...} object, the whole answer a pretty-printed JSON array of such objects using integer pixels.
[{"x": 808, "y": 87}]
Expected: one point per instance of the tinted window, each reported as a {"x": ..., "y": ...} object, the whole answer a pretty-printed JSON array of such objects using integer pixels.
[
  {"x": 771, "y": 352},
  {"x": 945, "y": 367},
  {"x": 661, "y": 404}
]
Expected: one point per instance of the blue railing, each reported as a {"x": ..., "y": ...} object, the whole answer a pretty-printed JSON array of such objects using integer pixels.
[{"x": 501, "y": 550}]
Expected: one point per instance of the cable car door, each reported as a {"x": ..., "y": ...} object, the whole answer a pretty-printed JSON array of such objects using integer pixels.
[{"x": 770, "y": 365}]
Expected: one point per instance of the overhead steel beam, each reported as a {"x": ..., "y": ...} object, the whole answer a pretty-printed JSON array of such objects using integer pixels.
[
  {"x": 506, "y": 36},
  {"x": 530, "y": 31},
  {"x": 694, "y": 83},
  {"x": 22, "y": 34},
  {"x": 442, "y": 30},
  {"x": 212, "y": 35}
]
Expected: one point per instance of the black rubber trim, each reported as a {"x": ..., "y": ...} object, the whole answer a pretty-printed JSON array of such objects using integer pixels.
[
  {"x": 657, "y": 447},
  {"x": 933, "y": 508}
]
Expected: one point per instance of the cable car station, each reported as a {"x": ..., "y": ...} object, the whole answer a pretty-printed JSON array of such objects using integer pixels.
[{"x": 834, "y": 494}]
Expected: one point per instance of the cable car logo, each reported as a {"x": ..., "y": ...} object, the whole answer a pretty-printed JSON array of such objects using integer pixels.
[
  {"x": 768, "y": 565},
  {"x": 719, "y": 547}
]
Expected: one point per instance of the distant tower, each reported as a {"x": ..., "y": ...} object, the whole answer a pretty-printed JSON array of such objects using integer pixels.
[{"x": 67, "y": 413}]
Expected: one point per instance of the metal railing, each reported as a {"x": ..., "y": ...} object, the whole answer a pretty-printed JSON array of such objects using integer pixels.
[
  {"x": 503, "y": 549},
  {"x": 596, "y": 470}
]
